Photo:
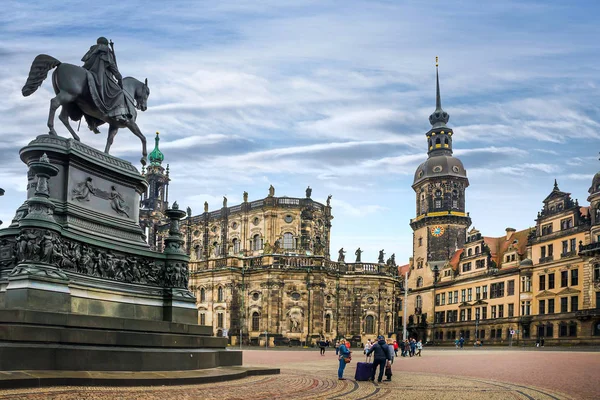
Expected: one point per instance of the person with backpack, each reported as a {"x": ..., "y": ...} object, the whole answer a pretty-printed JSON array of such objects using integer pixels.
[{"x": 381, "y": 352}]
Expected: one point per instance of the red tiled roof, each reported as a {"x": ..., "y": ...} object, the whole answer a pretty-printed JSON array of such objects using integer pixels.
[
  {"x": 456, "y": 258},
  {"x": 402, "y": 269},
  {"x": 498, "y": 246}
]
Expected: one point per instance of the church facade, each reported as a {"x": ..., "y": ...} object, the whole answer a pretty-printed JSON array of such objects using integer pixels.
[{"x": 540, "y": 284}]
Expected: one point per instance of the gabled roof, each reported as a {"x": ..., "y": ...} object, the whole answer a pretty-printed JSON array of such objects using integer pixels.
[
  {"x": 402, "y": 269},
  {"x": 556, "y": 193},
  {"x": 499, "y": 246},
  {"x": 455, "y": 259}
]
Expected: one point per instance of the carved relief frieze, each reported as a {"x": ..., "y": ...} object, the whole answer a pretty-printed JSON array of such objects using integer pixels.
[{"x": 83, "y": 190}]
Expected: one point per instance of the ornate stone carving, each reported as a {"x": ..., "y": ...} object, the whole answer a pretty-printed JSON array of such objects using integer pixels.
[{"x": 84, "y": 189}]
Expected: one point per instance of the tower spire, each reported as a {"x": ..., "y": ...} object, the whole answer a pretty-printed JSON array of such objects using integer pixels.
[{"x": 439, "y": 118}]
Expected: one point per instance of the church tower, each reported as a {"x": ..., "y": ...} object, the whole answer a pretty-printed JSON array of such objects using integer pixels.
[
  {"x": 155, "y": 201},
  {"x": 439, "y": 184}
]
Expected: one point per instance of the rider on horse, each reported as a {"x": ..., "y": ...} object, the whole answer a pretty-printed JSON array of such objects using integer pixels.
[{"x": 107, "y": 93}]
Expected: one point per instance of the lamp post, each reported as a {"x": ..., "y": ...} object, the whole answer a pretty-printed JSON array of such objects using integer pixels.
[
  {"x": 405, "y": 313},
  {"x": 476, "y": 326}
]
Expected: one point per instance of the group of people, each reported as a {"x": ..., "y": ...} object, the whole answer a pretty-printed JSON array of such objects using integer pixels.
[{"x": 383, "y": 352}]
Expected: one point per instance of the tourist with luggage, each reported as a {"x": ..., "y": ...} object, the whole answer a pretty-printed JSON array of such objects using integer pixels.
[
  {"x": 381, "y": 356},
  {"x": 343, "y": 358}
]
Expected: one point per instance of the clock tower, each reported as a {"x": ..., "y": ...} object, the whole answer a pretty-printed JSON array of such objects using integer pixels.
[{"x": 440, "y": 182}]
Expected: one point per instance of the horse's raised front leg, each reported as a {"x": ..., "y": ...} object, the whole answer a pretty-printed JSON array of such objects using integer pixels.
[
  {"x": 112, "y": 132},
  {"x": 64, "y": 117},
  {"x": 136, "y": 131},
  {"x": 60, "y": 99}
]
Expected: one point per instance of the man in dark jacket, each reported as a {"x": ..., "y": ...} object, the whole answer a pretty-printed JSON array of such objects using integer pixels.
[{"x": 381, "y": 356}]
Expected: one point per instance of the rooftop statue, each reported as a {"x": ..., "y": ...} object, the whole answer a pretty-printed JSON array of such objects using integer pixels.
[{"x": 95, "y": 91}]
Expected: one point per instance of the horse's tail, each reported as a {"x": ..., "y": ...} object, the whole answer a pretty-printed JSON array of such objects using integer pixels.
[{"x": 38, "y": 72}]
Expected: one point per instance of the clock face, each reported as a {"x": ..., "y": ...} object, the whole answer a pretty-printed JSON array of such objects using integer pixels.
[{"x": 437, "y": 231}]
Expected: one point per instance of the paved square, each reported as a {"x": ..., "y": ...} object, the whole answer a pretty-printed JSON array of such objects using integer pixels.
[{"x": 438, "y": 374}]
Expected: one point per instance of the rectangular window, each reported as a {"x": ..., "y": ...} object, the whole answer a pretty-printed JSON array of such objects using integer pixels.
[
  {"x": 496, "y": 290},
  {"x": 573, "y": 329},
  {"x": 550, "y": 306},
  {"x": 469, "y": 294},
  {"x": 483, "y": 312},
  {"x": 484, "y": 294},
  {"x": 543, "y": 248},
  {"x": 463, "y": 295},
  {"x": 573, "y": 244},
  {"x": 493, "y": 312},
  {"x": 551, "y": 281},
  {"x": 437, "y": 299},
  {"x": 550, "y": 250},
  {"x": 574, "y": 303},
  {"x": 511, "y": 310},
  {"x": 220, "y": 320},
  {"x": 462, "y": 315},
  {"x": 501, "y": 311},
  {"x": 547, "y": 229},
  {"x": 510, "y": 290},
  {"x": 526, "y": 307},
  {"x": 564, "y": 278},
  {"x": 203, "y": 319},
  {"x": 499, "y": 333},
  {"x": 563, "y": 329},
  {"x": 456, "y": 296},
  {"x": 493, "y": 334},
  {"x": 549, "y": 330},
  {"x": 443, "y": 298},
  {"x": 467, "y": 335},
  {"x": 449, "y": 297},
  {"x": 466, "y": 267},
  {"x": 542, "y": 307},
  {"x": 438, "y": 203},
  {"x": 564, "y": 304},
  {"x": 565, "y": 247},
  {"x": 468, "y": 314},
  {"x": 542, "y": 282},
  {"x": 574, "y": 277},
  {"x": 477, "y": 293}
]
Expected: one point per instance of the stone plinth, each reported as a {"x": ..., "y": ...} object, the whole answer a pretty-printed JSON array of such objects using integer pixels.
[{"x": 77, "y": 279}]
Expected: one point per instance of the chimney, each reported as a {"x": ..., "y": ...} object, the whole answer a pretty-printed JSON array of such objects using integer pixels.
[{"x": 509, "y": 233}]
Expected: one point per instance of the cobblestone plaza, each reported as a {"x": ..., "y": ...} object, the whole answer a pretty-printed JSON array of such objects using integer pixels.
[{"x": 438, "y": 374}]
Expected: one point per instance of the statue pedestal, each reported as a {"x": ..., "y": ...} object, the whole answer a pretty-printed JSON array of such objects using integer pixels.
[{"x": 79, "y": 287}]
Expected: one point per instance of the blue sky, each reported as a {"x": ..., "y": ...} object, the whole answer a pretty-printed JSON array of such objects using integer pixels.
[{"x": 335, "y": 95}]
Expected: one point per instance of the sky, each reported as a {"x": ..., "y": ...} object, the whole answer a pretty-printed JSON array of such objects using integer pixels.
[{"x": 331, "y": 94}]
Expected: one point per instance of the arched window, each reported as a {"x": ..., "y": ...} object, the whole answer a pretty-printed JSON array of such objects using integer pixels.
[
  {"x": 288, "y": 241},
  {"x": 419, "y": 282},
  {"x": 477, "y": 250},
  {"x": 216, "y": 249},
  {"x": 198, "y": 251},
  {"x": 220, "y": 294},
  {"x": 255, "y": 322},
  {"x": 445, "y": 140},
  {"x": 236, "y": 246},
  {"x": 419, "y": 302},
  {"x": 328, "y": 323},
  {"x": 202, "y": 295},
  {"x": 423, "y": 203},
  {"x": 438, "y": 199},
  {"x": 469, "y": 252},
  {"x": 455, "y": 198},
  {"x": 438, "y": 141},
  {"x": 256, "y": 242},
  {"x": 369, "y": 325}
]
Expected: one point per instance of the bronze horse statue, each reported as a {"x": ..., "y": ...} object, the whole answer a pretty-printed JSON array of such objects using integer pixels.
[{"x": 70, "y": 84}]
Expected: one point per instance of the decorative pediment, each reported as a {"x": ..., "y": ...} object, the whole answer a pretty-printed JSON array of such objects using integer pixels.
[
  {"x": 568, "y": 291},
  {"x": 480, "y": 303},
  {"x": 464, "y": 304},
  {"x": 546, "y": 293}
]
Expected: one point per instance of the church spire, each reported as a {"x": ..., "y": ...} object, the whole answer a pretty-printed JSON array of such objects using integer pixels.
[{"x": 439, "y": 118}]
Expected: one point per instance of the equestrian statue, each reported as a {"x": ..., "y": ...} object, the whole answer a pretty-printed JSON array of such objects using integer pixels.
[{"x": 95, "y": 91}]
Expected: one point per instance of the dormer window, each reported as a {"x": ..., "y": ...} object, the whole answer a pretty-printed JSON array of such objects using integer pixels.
[
  {"x": 546, "y": 229},
  {"x": 566, "y": 224}
]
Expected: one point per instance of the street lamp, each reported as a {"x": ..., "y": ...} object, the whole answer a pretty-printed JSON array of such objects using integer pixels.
[{"x": 476, "y": 326}]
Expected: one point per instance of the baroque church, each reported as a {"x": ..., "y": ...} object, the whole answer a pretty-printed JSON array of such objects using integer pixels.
[{"x": 262, "y": 270}]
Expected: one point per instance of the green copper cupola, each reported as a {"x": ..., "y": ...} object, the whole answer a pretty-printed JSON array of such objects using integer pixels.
[{"x": 156, "y": 157}]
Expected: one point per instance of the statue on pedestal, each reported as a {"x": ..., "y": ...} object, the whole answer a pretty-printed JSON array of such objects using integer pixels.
[
  {"x": 96, "y": 92},
  {"x": 341, "y": 255},
  {"x": 381, "y": 256},
  {"x": 358, "y": 253}
]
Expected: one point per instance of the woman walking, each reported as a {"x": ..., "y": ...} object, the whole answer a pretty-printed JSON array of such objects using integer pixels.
[
  {"x": 344, "y": 356},
  {"x": 419, "y": 348}
]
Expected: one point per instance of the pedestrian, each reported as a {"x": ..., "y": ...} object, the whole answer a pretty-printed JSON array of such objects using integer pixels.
[
  {"x": 542, "y": 342},
  {"x": 402, "y": 349},
  {"x": 462, "y": 342},
  {"x": 392, "y": 354},
  {"x": 456, "y": 343},
  {"x": 395, "y": 344},
  {"x": 537, "y": 342},
  {"x": 337, "y": 347},
  {"x": 322, "y": 347},
  {"x": 343, "y": 358},
  {"x": 413, "y": 346},
  {"x": 419, "y": 347},
  {"x": 347, "y": 343},
  {"x": 381, "y": 351},
  {"x": 368, "y": 345}
]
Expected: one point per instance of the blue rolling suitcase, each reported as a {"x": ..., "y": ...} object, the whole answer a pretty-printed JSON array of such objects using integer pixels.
[{"x": 363, "y": 370}]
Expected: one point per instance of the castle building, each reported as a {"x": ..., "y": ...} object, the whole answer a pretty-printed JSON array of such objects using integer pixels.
[{"x": 540, "y": 283}]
